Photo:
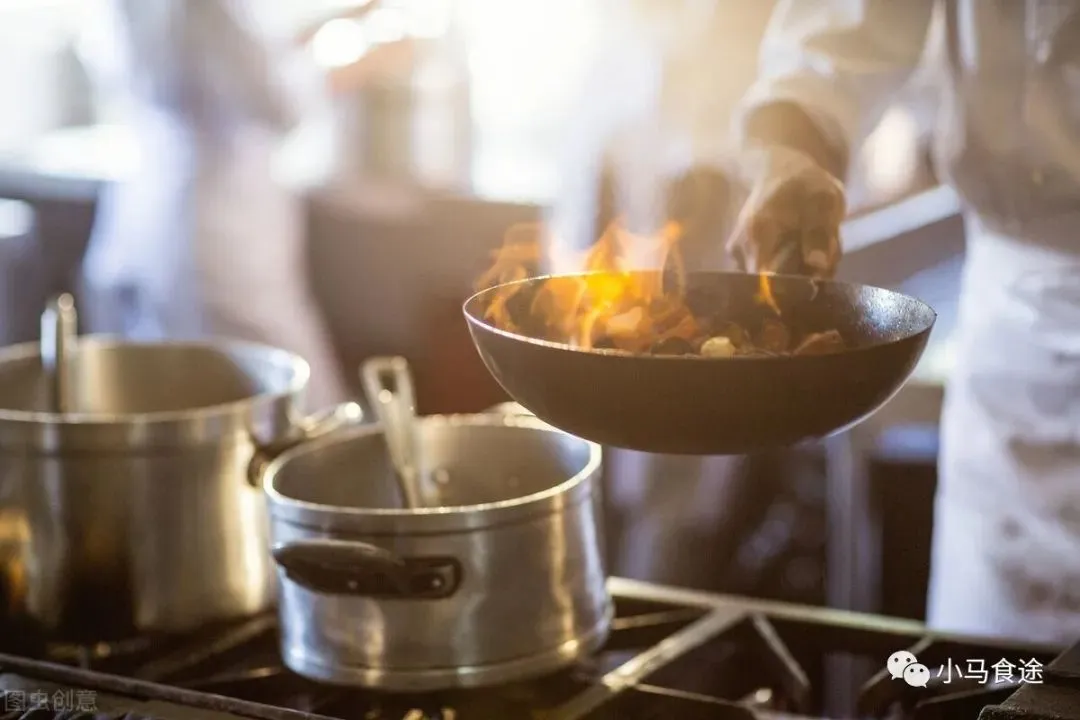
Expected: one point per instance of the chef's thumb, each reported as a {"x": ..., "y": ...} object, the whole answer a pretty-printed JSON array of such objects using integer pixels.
[
  {"x": 745, "y": 241},
  {"x": 821, "y": 218}
]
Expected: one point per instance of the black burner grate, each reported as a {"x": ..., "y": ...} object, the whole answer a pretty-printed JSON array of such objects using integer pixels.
[
  {"x": 671, "y": 654},
  {"x": 49, "y": 714}
]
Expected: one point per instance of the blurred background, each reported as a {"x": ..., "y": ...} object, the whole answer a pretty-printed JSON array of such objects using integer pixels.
[{"x": 511, "y": 111}]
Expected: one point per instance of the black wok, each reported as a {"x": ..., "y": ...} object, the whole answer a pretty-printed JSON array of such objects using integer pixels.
[{"x": 717, "y": 406}]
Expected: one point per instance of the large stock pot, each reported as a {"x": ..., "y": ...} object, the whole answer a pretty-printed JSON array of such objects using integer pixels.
[{"x": 141, "y": 508}]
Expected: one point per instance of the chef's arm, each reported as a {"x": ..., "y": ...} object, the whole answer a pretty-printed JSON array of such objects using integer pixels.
[{"x": 829, "y": 70}]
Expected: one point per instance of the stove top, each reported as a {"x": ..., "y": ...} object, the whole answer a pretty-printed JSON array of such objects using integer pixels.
[{"x": 672, "y": 654}]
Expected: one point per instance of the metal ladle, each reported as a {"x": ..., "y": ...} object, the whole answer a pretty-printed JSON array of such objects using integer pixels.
[
  {"x": 58, "y": 339},
  {"x": 389, "y": 388}
]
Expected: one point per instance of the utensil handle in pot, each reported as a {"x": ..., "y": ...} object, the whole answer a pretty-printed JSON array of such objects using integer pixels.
[
  {"x": 388, "y": 386},
  {"x": 58, "y": 337},
  {"x": 347, "y": 567},
  {"x": 310, "y": 428}
]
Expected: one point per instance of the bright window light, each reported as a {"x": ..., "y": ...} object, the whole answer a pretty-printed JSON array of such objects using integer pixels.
[
  {"x": 385, "y": 25},
  {"x": 339, "y": 43}
]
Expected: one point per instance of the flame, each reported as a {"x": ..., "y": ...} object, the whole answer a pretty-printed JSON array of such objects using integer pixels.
[
  {"x": 14, "y": 534},
  {"x": 765, "y": 294},
  {"x": 610, "y": 299}
]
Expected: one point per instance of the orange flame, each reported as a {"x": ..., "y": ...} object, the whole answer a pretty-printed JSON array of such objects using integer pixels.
[
  {"x": 14, "y": 534},
  {"x": 765, "y": 294},
  {"x": 630, "y": 310}
]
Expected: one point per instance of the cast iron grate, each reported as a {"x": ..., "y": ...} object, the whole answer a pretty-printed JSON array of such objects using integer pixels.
[
  {"x": 43, "y": 713},
  {"x": 672, "y": 653}
]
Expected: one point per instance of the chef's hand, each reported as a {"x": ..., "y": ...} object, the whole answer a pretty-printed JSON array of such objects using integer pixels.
[{"x": 790, "y": 219}]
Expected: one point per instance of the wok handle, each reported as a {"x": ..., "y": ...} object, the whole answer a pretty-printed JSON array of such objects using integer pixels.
[
  {"x": 309, "y": 428},
  {"x": 352, "y": 568}
]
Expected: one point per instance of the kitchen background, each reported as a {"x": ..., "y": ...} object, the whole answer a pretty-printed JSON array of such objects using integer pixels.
[{"x": 412, "y": 182}]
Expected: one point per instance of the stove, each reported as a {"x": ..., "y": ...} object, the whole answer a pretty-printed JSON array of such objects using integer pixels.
[{"x": 672, "y": 653}]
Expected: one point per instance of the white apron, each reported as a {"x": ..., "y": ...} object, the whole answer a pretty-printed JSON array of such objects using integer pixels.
[
  {"x": 1006, "y": 556},
  {"x": 1006, "y": 552},
  {"x": 202, "y": 240}
]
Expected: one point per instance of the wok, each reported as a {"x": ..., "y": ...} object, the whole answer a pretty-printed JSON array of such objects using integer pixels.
[{"x": 717, "y": 406}]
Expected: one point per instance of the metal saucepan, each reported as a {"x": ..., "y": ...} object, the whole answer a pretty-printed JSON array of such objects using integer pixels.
[
  {"x": 503, "y": 580},
  {"x": 717, "y": 406},
  {"x": 141, "y": 502}
]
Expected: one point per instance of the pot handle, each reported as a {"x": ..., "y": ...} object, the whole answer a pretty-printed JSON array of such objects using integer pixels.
[
  {"x": 309, "y": 428},
  {"x": 347, "y": 567}
]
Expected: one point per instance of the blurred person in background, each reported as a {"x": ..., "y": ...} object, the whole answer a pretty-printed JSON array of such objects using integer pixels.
[
  {"x": 1006, "y": 554},
  {"x": 202, "y": 240}
]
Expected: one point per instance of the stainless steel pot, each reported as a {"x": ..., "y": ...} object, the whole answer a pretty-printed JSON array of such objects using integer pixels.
[
  {"x": 503, "y": 580},
  {"x": 141, "y": 505}
]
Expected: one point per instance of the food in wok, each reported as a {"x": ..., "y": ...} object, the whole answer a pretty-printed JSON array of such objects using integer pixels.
[{"x": 610, "y": 308}]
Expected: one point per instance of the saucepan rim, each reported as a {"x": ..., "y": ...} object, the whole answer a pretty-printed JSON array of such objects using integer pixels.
[
  {"x": 298, "y": 369},
  {"x": 476, "y": 320},
  {"x": 281, "y": 504}
]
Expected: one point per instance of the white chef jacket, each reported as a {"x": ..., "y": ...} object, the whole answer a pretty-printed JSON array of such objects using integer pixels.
[
  {"x": 1006, "y": 557},
  {"x": 1006, "y": 131}
]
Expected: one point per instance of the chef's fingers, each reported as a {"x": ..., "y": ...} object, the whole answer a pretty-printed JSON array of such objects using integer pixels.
[
  {"x": 788, "y": 258},
  {"x": 828, "y": 204},
  {"x": 820, "y": 251},
  {"x": 762, "y": 240},
  {"x": 739, "y": 244},
  {"x": 823, "y": 213},
  {"x": 789, "y": 226},
  {"x": 740, "y": 251},
  {"x": 796, "y": 228}
]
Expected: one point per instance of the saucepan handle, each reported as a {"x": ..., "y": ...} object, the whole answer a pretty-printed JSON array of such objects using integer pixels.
[
  {"x": 348, "y": 567},
  {"x": 310, "y": 428}
]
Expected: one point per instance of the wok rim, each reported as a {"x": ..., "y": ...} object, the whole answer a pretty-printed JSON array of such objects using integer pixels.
[{"x": 623, "y": 354}]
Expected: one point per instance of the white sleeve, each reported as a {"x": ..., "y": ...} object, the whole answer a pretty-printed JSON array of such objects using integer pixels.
[
  {"x": 268, "y": 82},
  {"x": 841, "y": 61}
]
